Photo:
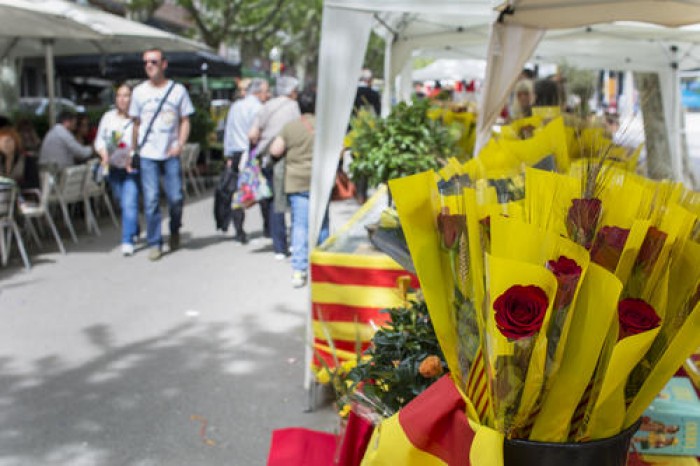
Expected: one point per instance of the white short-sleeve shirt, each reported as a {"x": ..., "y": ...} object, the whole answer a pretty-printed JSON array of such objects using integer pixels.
[{"x": 164, "y": 133}]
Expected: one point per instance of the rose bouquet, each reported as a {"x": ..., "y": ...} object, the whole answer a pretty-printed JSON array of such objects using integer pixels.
[{"x": 584, "y": 293}]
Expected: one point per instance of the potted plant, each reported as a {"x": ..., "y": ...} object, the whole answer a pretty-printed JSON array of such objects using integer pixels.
[{"x": 404, "y": 143}]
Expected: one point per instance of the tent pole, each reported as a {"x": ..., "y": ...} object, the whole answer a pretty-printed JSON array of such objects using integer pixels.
[
  {"x": 48, "y": 51},
  {"x": 388, "y": 81}
]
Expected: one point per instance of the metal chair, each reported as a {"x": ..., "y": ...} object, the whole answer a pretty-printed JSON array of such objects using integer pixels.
[
  {"x": 93, "y": 190},
  {"x": 8, "y": 226},
  {"x": 69, "y": 189},
  {"x": 39, "y": 209},
  {"x": 190, "y": 153}
]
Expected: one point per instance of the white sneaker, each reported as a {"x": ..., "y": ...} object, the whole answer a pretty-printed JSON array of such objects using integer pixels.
[
  {"x": 127, "y": 249},
  {"x": 280, "y": 257},
  {"x": 298, "y": 278}
]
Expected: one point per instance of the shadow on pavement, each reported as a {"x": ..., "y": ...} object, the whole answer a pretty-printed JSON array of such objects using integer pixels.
[{"x": 185, "y": 397}]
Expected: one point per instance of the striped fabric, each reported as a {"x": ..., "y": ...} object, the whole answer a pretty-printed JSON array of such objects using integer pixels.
[{"x": 348, "y": 291}]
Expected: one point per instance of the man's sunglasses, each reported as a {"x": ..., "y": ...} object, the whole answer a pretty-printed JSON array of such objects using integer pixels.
[{"x": 152, "y": 62}]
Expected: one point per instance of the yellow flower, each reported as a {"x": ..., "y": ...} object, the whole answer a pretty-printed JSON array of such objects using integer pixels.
[
  {"x": 323, "y": 376},
  {"x": 345, "y": 411}
]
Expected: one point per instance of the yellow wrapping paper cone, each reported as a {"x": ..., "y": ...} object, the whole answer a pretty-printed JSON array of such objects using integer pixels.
[
  {"x": 595, "y": 309},
  {"x": 506, "y": 355},
  {"x": 608, "y": 415}
]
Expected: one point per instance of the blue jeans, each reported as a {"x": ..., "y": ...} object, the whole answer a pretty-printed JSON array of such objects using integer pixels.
[
  {"x": 278, "y": 227},
  {"x": 125, "y": 190},
  {"x": 151, "y": 170},
  {"x": 300, "y": 230}
]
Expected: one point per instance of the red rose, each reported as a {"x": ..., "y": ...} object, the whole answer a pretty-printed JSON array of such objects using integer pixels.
[
  {"x": 451, "y": 227},
  {"x": 635, "y": 316},
  {"x": 568, "y": 273},
  {"x": 121, "y": 145},
  {"x": 520, "y": 311},
  {"x": 651, "y": 247},
  {"x": 582, "y": 220},
  {"x": 608, "y": 246}
]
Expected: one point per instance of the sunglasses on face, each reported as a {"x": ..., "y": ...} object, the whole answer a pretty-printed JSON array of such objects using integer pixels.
[{"x": 151, "y": 62}]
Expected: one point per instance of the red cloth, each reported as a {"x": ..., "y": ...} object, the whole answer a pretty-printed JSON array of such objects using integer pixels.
[
  {"x": 355, "y": 440},
  {"x": 301, "y": 447},
  {"x": 435, "y": 422}
]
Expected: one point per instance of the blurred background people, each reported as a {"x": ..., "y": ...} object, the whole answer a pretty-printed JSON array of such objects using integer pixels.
[
  {"x": 113, "y": 144},
  {"x": 239, "y": 121},
  {"x": 272, "y": 117},
  {"x": 296, "y": 144},
  {"x": 31, "y": 143},
  {"x": 366, "y": 97},
  {"x": 60, "y": 149},
  {"x": 523, "y": 99}
]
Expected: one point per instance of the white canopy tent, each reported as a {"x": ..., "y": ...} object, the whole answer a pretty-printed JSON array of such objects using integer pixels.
[
  {"x": 637, "y": 47},
  {"x": 58, "y": 27},
  {"x": 465, "y": 26},
  {"x": 454, "y": 69}
]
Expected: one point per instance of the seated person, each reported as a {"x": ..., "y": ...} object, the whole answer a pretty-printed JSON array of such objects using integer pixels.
[
  {"x": 10, "y": 148},
  {"x": 60, "y": 149}
]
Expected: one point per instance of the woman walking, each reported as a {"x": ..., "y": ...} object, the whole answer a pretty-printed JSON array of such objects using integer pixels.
[{"x": 113, "y": 144}]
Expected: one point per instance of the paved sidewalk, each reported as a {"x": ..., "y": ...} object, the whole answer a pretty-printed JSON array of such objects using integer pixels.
[{"x": 192, "y": 360}]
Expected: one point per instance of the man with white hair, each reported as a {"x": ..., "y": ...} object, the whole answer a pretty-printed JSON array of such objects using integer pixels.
[
  {"x": 239, "y": 120},
  {"x": 269, "y": 122}
]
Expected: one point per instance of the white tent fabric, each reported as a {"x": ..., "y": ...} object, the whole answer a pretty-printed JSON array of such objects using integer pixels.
[
  {"x": 624, "y": 46},
  {"x": 344, "y": 37},
  {"x": 558, "y": 14},
  {"x": 457, "y": 70},
  {"x": 509, "y": 49}
]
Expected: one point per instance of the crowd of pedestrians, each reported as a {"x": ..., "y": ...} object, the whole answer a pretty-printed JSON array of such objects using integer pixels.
[
  {"x": 139, "y": 142},
  {"x": 277, "y": 134}
]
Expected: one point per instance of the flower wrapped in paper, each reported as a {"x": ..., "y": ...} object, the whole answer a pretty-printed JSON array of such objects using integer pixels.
[{"x": 602, "y": 260}]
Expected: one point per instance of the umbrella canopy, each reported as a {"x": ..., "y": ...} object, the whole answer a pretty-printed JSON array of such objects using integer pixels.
[
  {"x": 108, "y": 33},
  {"x": 130, "y": 65}
]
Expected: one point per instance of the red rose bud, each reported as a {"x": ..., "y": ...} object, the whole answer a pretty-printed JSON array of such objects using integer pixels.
[
  {"x": 608, "y": 246},
  {"x": 520, "y": 311},
  {"x": 582, "y": 220},
  {"x": 635, "y": 316},
  {"x": 450, "y": 227},
  {"x": 121, "y": 145},
  {"x": 567, "y": 273},
  {"x": 651, "y": 248}
]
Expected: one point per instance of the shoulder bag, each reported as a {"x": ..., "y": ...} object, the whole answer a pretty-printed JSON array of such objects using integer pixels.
[{"x": 136, "y": 158}]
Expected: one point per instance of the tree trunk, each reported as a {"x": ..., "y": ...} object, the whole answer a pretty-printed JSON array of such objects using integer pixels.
[{"x": 659, "y": 164}]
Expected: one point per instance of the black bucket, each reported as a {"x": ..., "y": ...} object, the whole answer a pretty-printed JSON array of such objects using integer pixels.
[{"x": 605, "y": 452}]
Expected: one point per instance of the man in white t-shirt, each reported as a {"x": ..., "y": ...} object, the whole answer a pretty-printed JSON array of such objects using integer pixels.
[{"x": 160, "y": 147}]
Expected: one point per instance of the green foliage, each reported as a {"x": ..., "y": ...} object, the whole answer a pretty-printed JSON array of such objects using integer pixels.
[
  {"x": 201, "y": 122},
  {"x": 390, "y": 378},
  {"x": 405, "y": 143}
]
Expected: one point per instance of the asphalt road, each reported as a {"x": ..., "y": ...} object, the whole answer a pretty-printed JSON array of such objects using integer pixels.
[{"x": 192, "y": 360}]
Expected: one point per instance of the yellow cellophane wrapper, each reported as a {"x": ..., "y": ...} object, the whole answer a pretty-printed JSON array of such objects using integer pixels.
[
  {"x": 466, "y": 121},
  {"x": 417, "y": 203},
  {"x": 494, "y": 162},
  {"x": 680, "y": 348},
  {"x": 547, "y": 141},
  {"x": 594, "y": 311},
  {"x": 389, "y": 446},
  {"x": 684, "y": 280},
  {"x": 503, "y": 274},
  {"x": 546, "y": 113},
  {"x": 548, "y": 198},
  {"x": 512, "y": 131},
  {"x": 638, "y": 232},
  {"x": 607, "y": 417},
  {"x": 514, "y": 239},
  {"x": 451, "y": 168}
]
